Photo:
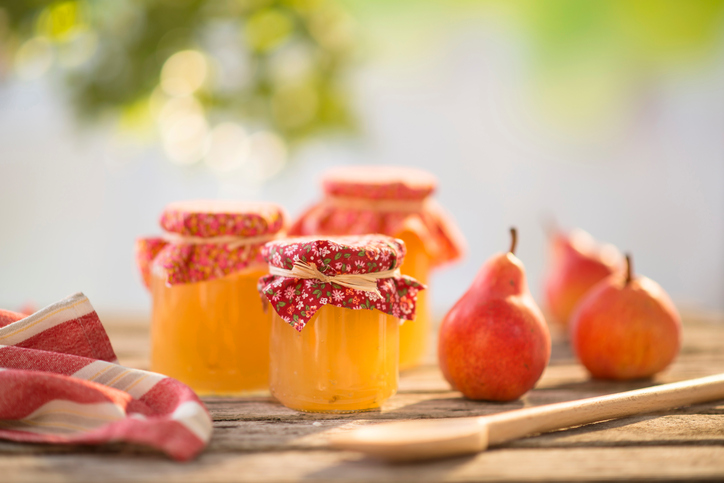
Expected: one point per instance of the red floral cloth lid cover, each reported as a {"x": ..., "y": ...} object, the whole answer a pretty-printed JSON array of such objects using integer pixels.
[
  {"x": 296, "y": 300},
  {"x": 235, "y": 230},
  {"x": 383, "y": 199}
]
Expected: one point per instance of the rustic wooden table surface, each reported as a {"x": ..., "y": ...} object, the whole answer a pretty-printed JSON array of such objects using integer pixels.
[{"x": 258, "y": 440}]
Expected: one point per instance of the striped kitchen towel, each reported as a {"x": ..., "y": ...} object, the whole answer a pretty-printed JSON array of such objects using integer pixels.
[{"x": 60, "y": 382}]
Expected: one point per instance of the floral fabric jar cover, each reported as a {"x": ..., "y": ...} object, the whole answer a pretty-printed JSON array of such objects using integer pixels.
[
  {"x": 208, "y": 239},
  {"x": 296, "y": 300},
  {"x": 387, "y": 200}
]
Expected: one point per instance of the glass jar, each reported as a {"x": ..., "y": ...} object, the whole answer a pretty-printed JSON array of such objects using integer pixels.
[
  {"x": 208, "y": 326},
  {"x": 343, "y": 361},
  {"x": 213, "y": 335},
  {"x": 414, "y": 335},
  {"x": 335, "y": 348},
  {"x": 394, "y": 201}
]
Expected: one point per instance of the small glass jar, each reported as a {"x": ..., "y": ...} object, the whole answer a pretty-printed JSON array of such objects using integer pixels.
[
  {"x": 394, "y": 201},
  {"x": 344, "y": 360},
  {"x": 335, "y": 348},
  {"x": 208, "y": 326}
]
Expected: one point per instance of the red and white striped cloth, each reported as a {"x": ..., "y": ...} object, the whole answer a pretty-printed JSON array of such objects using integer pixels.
[{"x": 60, "y": 383}]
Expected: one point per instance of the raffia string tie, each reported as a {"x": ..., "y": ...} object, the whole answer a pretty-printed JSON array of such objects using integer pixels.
[
  {"x": 231, "y": 241},
  {"x": 367, "y": 282},
  {"x": 384, "y": 205}
]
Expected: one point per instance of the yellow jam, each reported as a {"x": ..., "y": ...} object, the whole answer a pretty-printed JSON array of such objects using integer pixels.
[
  {"x": 343, "y": 360},
  {"x": 212, "y": 335},
  {"x": 415, "y": 334}
]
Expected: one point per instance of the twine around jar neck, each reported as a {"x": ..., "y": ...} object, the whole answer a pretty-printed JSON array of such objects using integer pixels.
[
  {"x": 231, "y": 241},
  {"x": 382, "y": 205},
  {"x": 367, "y": 282}
]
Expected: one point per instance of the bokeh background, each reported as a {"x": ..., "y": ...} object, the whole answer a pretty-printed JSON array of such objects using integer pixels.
[{"x": 604, "y": 115}]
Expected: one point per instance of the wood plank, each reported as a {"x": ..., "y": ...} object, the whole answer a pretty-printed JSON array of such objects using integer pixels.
[
  {"x": 257, "y": 439},
  {"x": 669, "y": 463},
  {"x": 700, "y": 424},
  {"x": 658, "y": 429}
]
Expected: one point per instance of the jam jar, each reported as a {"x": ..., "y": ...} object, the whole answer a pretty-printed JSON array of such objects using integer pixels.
[
  {"x": 336, "y": 306},
  {"x": 394, "y": 201},
  {"x": 208, "y": 326}
]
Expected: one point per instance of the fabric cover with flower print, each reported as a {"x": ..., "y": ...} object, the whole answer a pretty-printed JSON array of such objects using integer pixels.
[
  {"x": 235, "y": 231},
  {"x": 296, "y": 300},
  {"x": 387, "y": 200}
]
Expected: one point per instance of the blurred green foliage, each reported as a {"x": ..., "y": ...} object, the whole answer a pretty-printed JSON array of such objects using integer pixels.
[
  {"x": 280, "y": 64},
  {"x": 654, "y": 31},
  {"x": 273, "y": 63},
  {"x": 578, "y": 66}
]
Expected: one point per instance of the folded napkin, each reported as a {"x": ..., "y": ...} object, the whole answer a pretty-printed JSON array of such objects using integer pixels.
[{"x": 60, "y": 383}]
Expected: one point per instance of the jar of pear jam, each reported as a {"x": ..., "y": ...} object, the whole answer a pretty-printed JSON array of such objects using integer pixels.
[
  {"x": 336, "y": 309},
  {"x": 394, "y": 201},
  {"x": 208, "y": 326}
]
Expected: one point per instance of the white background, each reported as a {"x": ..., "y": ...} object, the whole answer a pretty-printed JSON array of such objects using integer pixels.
[{"x": 73, "y": 200}]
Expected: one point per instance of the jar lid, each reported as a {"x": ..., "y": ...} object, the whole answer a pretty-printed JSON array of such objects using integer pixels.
[
  {"x": 379, "y": 182},
  {"x": 337, "y": 255},
  {"x": 209, "y": 239},
  {"x": 212, "y": 218},
  {"x": 383, "y": 199},
  {"x": 318, "y": 271}
]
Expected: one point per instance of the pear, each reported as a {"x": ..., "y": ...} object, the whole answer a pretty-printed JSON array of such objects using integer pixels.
[
  {"x": 626, "y": 327},
  {"x": 494, "y": 343},
  {"x": 577, "y": 263}
]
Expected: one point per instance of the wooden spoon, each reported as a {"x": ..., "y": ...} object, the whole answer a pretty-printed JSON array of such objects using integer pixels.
[{"x": 438, "y": 438}]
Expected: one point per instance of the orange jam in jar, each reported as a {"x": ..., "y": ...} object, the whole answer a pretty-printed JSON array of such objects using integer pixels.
[
  {"x": 336, "y": 308},
  {"x": 344, "y": 360},
  {"x": 414, "y": 335},
  {"x": 208, "y": 326},
  {"x": 394, "y": 201}
]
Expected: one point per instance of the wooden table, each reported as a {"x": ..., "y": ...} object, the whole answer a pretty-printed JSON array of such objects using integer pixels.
[{"x": 258, "y": 440}]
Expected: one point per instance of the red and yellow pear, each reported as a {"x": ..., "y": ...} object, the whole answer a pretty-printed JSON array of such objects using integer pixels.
[
  {"x": 577, "y": 263},
  {"x": 494, "y": 342},
  {"x": 626, "y": 327}
]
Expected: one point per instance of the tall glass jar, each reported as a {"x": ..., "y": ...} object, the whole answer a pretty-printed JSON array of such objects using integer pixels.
[
  {"x": 337, "y": 305},
  {"x": 394, "y": 201},
  {"x": 208, "y": 326}
]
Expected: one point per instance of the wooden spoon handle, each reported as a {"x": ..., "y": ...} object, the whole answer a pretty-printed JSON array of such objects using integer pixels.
[
  {"x": 425, "y": 439},
  {"x": 516, "y": 424}
]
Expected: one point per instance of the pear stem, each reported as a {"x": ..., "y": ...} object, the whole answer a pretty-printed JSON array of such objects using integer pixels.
[
  {"x": 629, "y": 269},
  {"x": 513, "y": 239}
]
